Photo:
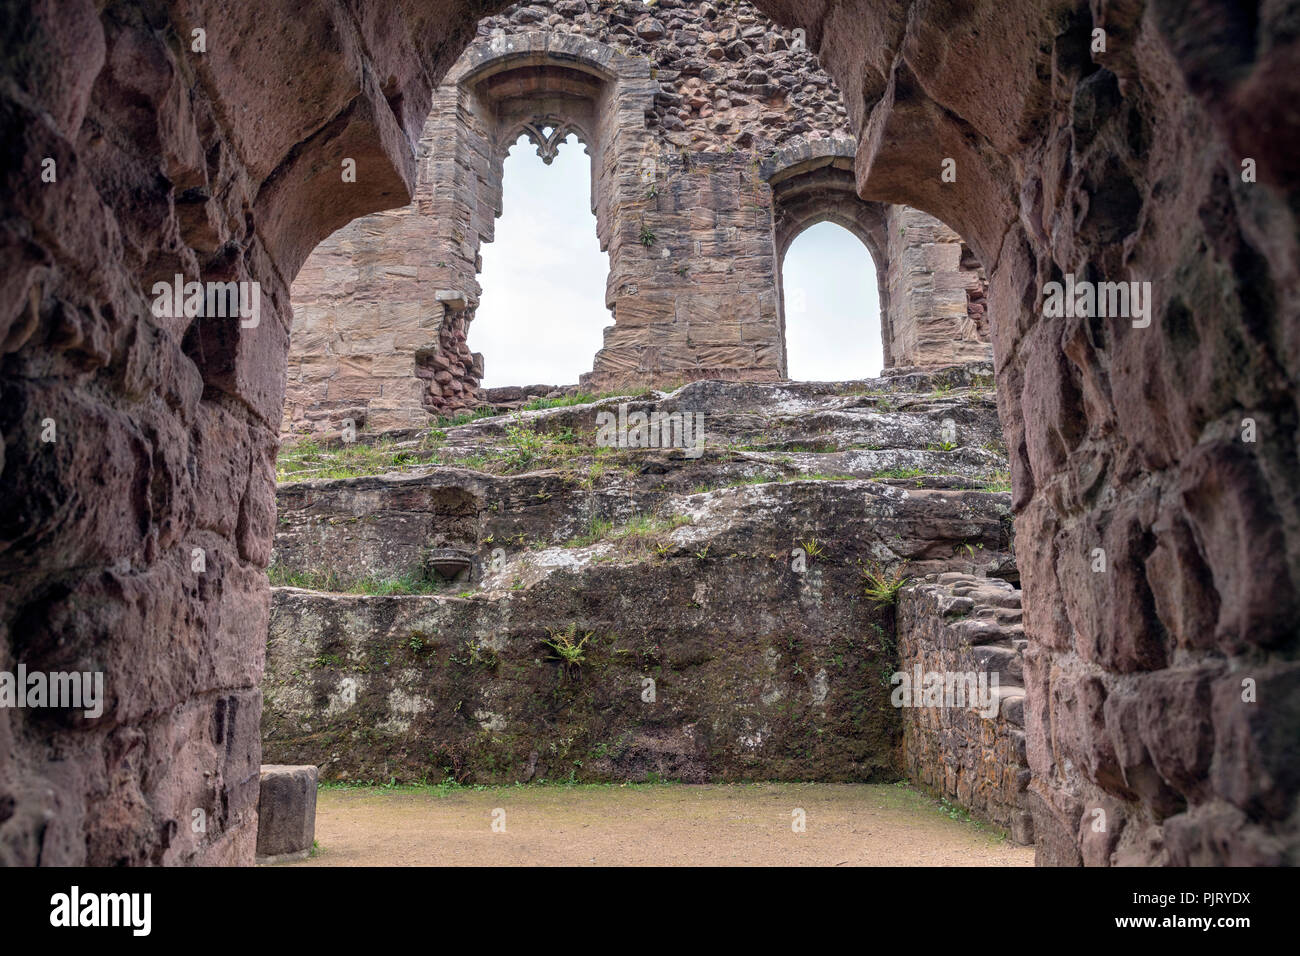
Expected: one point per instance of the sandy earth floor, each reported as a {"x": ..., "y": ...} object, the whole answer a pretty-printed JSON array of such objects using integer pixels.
[{"x": 651, "y": 825}]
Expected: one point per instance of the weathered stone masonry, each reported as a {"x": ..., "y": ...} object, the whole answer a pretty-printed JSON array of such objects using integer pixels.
[
  {"x": 974, "y": 755},
  {"x": 702, "y": 128},
  {"x": 1123, "y": 164},
  {"x": 763, "y": 667}
]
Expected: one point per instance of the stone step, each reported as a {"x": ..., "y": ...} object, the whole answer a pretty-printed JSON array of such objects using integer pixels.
[
  {"x": 384, "y": 527},
  {"x": 775, "y": 421},
  {"x": 1003, "y": 661}
]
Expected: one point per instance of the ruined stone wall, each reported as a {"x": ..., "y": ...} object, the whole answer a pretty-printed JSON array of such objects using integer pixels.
[
  {"x": 936, "y": 314},
  {"x": 971, "y": 753},
  {"x": 1123, "y": 163},
  {"x": 692, "y": 117},
  {"x": 138, "y": 459},
  {"x": 764, "y": 665},
  {"x": 1128, "y": 163},
  {"x": 418, "y": 688}
]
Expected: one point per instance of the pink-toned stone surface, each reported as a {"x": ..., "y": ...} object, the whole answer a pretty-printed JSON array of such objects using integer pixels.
[
  {"x": 1123, "y": 165},
  {"x": 710, "y": 139},
  {"x": 164, "y": 430},
  {"x": 935, "y": 315}
]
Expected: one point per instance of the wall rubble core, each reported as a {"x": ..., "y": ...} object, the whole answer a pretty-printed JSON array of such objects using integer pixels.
[
  {"x": 763, "y": 664},
  {"x": 701, "y": 129}
]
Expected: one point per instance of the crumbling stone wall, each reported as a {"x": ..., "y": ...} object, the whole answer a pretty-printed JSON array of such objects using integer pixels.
[
  {"x": 1171, "y": 156},
  {"x": 420, "y": 688},
  {"x": 703, "y": 125},
  {"x": 936, "y": 294},
  {"x": 968, "y": 750},
  {"x": 763, "y": 663},
  {"x": 138, "y": 459},
  {"x": 1131, "y": 162}
]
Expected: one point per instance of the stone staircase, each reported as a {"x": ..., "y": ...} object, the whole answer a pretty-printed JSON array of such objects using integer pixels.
[{"x": 956, "y": 623}]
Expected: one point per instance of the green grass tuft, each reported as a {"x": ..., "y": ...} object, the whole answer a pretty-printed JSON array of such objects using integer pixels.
[{"x": 881, "y": 586}]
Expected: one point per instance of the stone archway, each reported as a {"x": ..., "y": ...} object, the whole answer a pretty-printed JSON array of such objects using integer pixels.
[
  {"x": 926, "y": 285},
  {"x": 383, "y": 307},
  {"x": 827, "y": 300},
  {"x": 681, "y": 209},
  {"x": 1124, "y": 164},
  {"x": 696, "y": 230}
]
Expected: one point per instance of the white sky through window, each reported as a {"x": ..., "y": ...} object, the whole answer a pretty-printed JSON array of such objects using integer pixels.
[
  {"x": 542, "y": 314},
  {"x": 542, "y": 311},
  {"x": 832, "y": 307}
]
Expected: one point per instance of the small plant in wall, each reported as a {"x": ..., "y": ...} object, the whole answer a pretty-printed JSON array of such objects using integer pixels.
[
  {"x": 969, "y": 549},
  {"x": 523, "y": 446},
  {"x": 648, "y": 238},
  {"x": 477, "y": 656},
  {"x": 882, "y": 586},
  {"x": 568, "y": 648},
  {"x": 812, "y": 548}
]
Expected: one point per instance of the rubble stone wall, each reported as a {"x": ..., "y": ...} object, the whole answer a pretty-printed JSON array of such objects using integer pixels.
[
  {"x": 1169, "y": 157},
  {"x": 732, "y": 583},
  {"x": 1160, "y": 685},
  {"x": 138, "y": 465},
  {"x": 969, "y": 752},
  {"x": 937, "y": 313},
  {"x": 711, "y": 137}
]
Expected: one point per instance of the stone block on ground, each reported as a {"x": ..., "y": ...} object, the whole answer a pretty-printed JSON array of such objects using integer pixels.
[{"x": 286, "y": 813}]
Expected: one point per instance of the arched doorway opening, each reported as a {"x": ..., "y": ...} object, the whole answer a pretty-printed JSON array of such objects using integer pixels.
[{"x": 832, "y": 306}]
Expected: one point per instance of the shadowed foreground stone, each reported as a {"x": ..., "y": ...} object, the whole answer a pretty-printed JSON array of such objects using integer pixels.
[{"x": 286, "y": 813}]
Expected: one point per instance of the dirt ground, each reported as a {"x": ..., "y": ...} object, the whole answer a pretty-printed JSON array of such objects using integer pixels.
[{"x": 650, "y": 825}]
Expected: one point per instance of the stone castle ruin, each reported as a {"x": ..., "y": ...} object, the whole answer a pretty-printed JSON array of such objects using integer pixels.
[
  {"x": 715, "y": 139},
  {"x": 1101, "y": 513}
]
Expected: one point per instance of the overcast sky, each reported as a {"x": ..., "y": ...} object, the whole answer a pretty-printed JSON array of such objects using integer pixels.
[{"x": 542, "y": 310}]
